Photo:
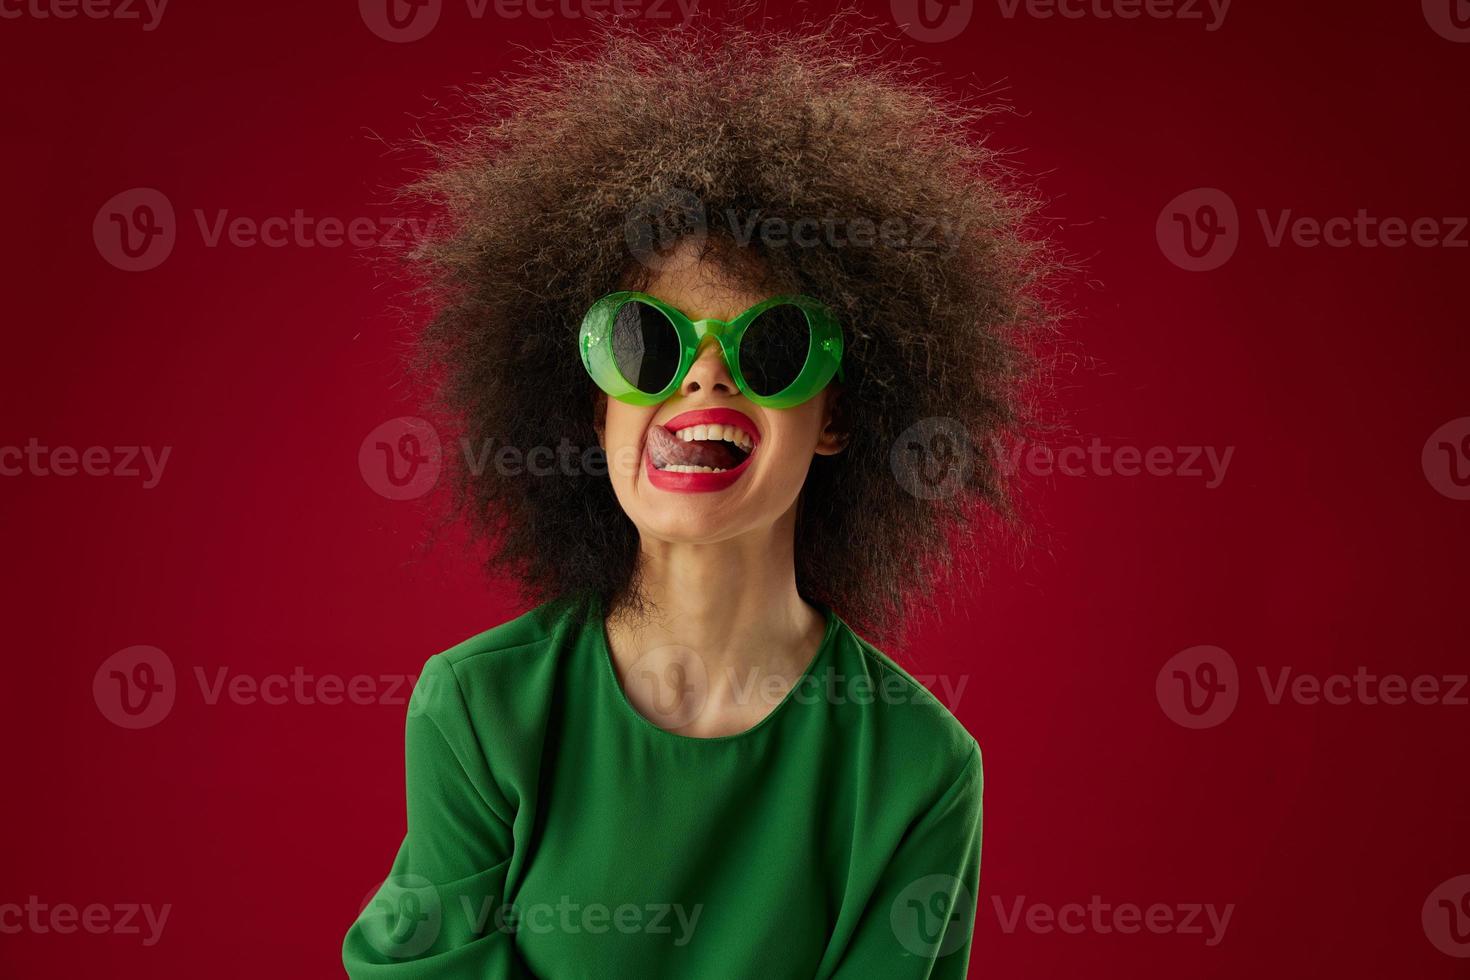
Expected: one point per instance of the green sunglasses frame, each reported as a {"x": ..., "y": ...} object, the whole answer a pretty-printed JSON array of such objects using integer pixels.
[{"x": 823, "y": 358}]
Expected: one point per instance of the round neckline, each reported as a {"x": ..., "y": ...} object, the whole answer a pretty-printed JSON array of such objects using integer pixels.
[{"x": 599, "y": 627}]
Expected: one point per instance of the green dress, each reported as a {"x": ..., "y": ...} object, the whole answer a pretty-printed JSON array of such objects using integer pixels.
[{"x": 554, "y": 832}]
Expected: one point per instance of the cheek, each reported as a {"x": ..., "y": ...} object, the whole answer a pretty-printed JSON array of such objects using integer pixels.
[
  {"x": 623, "y": 430},
  {"x": 799, "y": 427},
  {"x": 624, "y": 425},
  {"x": 791, "y": 435}
]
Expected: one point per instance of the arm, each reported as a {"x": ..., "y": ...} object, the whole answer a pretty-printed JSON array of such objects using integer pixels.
[
  {"x": 436, "y": 914},
  {"x": 920, "y": 920}
]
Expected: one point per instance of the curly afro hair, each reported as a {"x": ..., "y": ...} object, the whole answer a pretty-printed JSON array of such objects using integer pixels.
[{"x": 829, "y": 166}]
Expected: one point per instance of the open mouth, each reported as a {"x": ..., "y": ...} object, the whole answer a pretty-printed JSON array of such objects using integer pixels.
[
  {"x": 701, "y": 450},
  {"x": 712, "y": 448}
]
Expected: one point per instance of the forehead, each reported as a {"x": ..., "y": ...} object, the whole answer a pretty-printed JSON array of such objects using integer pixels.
[{"x": 704, "y": 281}]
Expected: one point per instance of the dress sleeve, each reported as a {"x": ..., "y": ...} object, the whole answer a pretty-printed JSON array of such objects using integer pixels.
[
  {"x": 920, "y": 921},
  {"x": 439, "y": 912}
]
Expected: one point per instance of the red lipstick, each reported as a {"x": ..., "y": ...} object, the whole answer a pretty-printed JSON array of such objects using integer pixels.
[{"x": 676, "y": 482}]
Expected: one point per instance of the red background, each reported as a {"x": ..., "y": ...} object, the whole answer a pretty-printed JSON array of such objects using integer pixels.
[{"x": 263, "y": 549}]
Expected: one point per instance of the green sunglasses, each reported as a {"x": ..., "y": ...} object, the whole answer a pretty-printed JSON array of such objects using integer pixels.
[{"x": 780, "y": 352}]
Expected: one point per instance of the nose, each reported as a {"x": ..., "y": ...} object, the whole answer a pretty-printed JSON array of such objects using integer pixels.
[{"x": 709, "y": 371}]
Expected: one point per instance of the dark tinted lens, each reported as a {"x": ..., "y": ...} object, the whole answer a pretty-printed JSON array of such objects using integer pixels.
[
  {"x": 774, "y": 348},
  {"x": 645, "y": 347}
]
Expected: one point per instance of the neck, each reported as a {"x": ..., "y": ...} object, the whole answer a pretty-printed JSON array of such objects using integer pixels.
[{"x": 733, "y": 603}]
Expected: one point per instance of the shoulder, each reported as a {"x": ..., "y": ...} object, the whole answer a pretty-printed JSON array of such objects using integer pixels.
[
  {"x": 505, "y": 671},
  {"x": 530, "y": 639},
  {"x": 482, "y": 707},
  {"x": 538, "y": 629},
  {"x": 916, "y": 731}
]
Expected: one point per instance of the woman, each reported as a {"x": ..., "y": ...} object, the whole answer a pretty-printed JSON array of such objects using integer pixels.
[{"x": 759, "y": 271}]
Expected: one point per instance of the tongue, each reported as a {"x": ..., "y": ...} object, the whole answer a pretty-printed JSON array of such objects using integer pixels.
[{"x": 667, "y": 449}]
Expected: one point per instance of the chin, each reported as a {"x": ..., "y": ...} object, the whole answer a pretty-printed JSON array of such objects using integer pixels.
[{"x": 697, "y": 521}]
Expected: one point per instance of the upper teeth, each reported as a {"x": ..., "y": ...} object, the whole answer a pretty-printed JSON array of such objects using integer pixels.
[{"x": 726, "y": 432}]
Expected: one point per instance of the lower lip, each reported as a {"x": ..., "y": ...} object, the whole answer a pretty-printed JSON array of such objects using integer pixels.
[{"x": 676, "y": 482}]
